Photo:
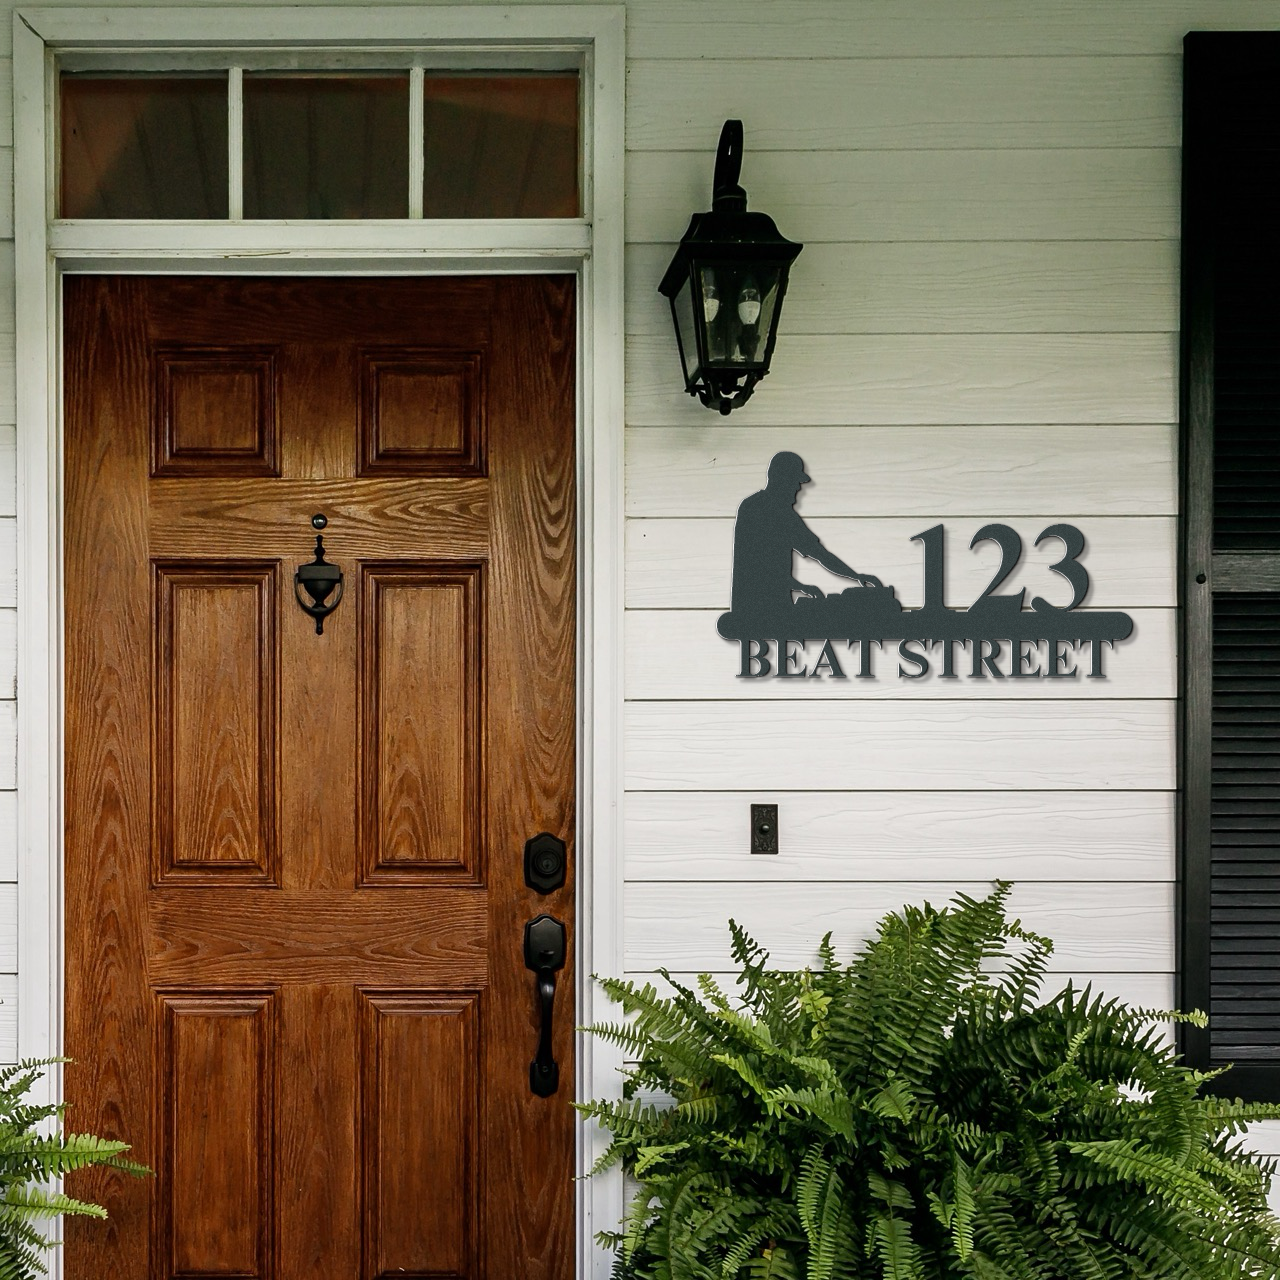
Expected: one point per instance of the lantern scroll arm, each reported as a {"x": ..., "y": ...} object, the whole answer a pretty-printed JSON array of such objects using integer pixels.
[{"x": 725, "y": 189}]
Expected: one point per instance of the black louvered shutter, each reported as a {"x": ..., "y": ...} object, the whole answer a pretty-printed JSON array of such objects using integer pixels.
[{"x": 1229, "y": 958}]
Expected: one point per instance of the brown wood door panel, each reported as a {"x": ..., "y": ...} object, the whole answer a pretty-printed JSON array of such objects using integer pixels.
[
  {"x": 422, "y": 779},
  {"x": 215, "y": 753},
  {"x": 420, "y": 1108},
  {"x": 215, "y": 412},
  {"x": 295, "y": 899},
  {"x": 215, "y": 1055}
]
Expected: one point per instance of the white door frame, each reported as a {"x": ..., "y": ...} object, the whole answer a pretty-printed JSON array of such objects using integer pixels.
[{"x": 591, "y": 247}]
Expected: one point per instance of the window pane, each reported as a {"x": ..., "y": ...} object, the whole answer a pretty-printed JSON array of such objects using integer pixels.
[
  {"x": 501, "y": 146},
  {"x": 326, "y": 146},
  {"x": 144, "y": 147}
]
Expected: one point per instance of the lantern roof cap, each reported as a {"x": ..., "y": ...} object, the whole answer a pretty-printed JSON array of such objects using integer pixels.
[
  {"x": 727, "y": 237},
  {"x": 727, "y": 232}
]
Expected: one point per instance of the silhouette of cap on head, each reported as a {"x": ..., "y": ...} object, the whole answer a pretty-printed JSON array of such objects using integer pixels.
[{"x": 788, "y": 466}]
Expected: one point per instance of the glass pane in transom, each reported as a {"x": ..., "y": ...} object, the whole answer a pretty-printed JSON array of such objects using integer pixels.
[
  {"x": 326, "y": 146},
  {"x": 501, "y": 146},
  {"x": 143, "y": 146}
]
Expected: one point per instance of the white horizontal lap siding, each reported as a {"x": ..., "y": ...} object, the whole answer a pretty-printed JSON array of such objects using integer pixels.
[
  {"x": 684, "y": 927},
  {"x": 1084, "y": 286},
  {"x": 1264, "y": 1138},
  {"x": 8, "y": 850},
  {"x": 906, "y": 104},
  {"x": 942, "y": 29},
  {"x": 851, "y": 196},
  {"x": 960, "y": 379},
  {"x": 925, "y": 745},
  {"x": 981, "y": 328},
  {"x": 6, "y": 186},
  {"x": 9, "y": 635},
  {"x": 8, "y": 555},
  {"x": 8, "y": 470},
  {"x": 939, "y": 471},
  {"x": 872, "y": 835}
]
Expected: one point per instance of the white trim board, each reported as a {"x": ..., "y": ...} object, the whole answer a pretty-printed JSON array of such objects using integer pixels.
[{"x": 592, "y": 247}]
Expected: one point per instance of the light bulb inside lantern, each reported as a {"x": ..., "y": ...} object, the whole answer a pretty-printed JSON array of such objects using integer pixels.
[
  {"x": 710, "y": 299},
  {"x": 749, "y": 304}
]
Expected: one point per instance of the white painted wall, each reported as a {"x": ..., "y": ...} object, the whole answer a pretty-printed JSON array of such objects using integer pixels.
[{"x": 981, "y": 327}]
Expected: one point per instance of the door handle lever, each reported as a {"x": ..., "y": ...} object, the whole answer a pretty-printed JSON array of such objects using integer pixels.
[{"x": 544, "y": 945}]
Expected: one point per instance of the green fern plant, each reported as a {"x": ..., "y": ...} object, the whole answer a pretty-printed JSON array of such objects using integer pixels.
[
  {"x": 31, "y": 1157},
  {"x": 922, "y": 1114}
]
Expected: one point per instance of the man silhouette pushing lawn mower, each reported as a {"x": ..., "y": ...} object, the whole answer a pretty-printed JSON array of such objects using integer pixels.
[{"x": 768, "y": 530}]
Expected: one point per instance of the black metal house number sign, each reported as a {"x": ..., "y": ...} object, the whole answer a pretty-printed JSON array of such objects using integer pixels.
[{"x": 774, "y": 615}]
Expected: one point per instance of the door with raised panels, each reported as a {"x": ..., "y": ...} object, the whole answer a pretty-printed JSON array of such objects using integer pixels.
[{"x": 295, "y": 892}]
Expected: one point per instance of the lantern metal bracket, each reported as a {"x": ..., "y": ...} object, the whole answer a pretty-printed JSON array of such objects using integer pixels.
[{"x": 726, "y": 194}]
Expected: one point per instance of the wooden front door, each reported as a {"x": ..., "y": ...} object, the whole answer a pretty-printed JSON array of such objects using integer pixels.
[{"x": 295, "y": 893}]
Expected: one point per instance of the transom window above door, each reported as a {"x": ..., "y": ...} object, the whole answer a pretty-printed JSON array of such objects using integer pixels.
[{"x": 241, "y": 143}]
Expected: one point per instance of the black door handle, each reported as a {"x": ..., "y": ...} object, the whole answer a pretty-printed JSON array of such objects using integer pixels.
[{"x": 544, "y": 954}]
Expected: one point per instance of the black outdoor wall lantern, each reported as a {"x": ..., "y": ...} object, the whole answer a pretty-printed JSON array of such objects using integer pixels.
[{"x": 726, "y": 285}]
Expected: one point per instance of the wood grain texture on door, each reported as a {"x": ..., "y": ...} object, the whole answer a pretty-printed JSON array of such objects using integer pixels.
[{"x": 294, "y": 886}]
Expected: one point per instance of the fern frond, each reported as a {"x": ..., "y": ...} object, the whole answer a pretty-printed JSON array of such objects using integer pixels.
[{"x": 33, "y": 1202}]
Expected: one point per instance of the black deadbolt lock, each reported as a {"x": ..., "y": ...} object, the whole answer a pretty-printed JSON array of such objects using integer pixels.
[{"x": 544, "y": 863}]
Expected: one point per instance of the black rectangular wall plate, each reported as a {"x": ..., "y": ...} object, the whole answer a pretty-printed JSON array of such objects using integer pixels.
[{"x": 764, "y": 828}]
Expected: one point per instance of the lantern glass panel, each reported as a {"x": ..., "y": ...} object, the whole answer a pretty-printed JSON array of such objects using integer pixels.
[
  {"x": 686, "y": 331},
  {"x": 739, "y": 302}
]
